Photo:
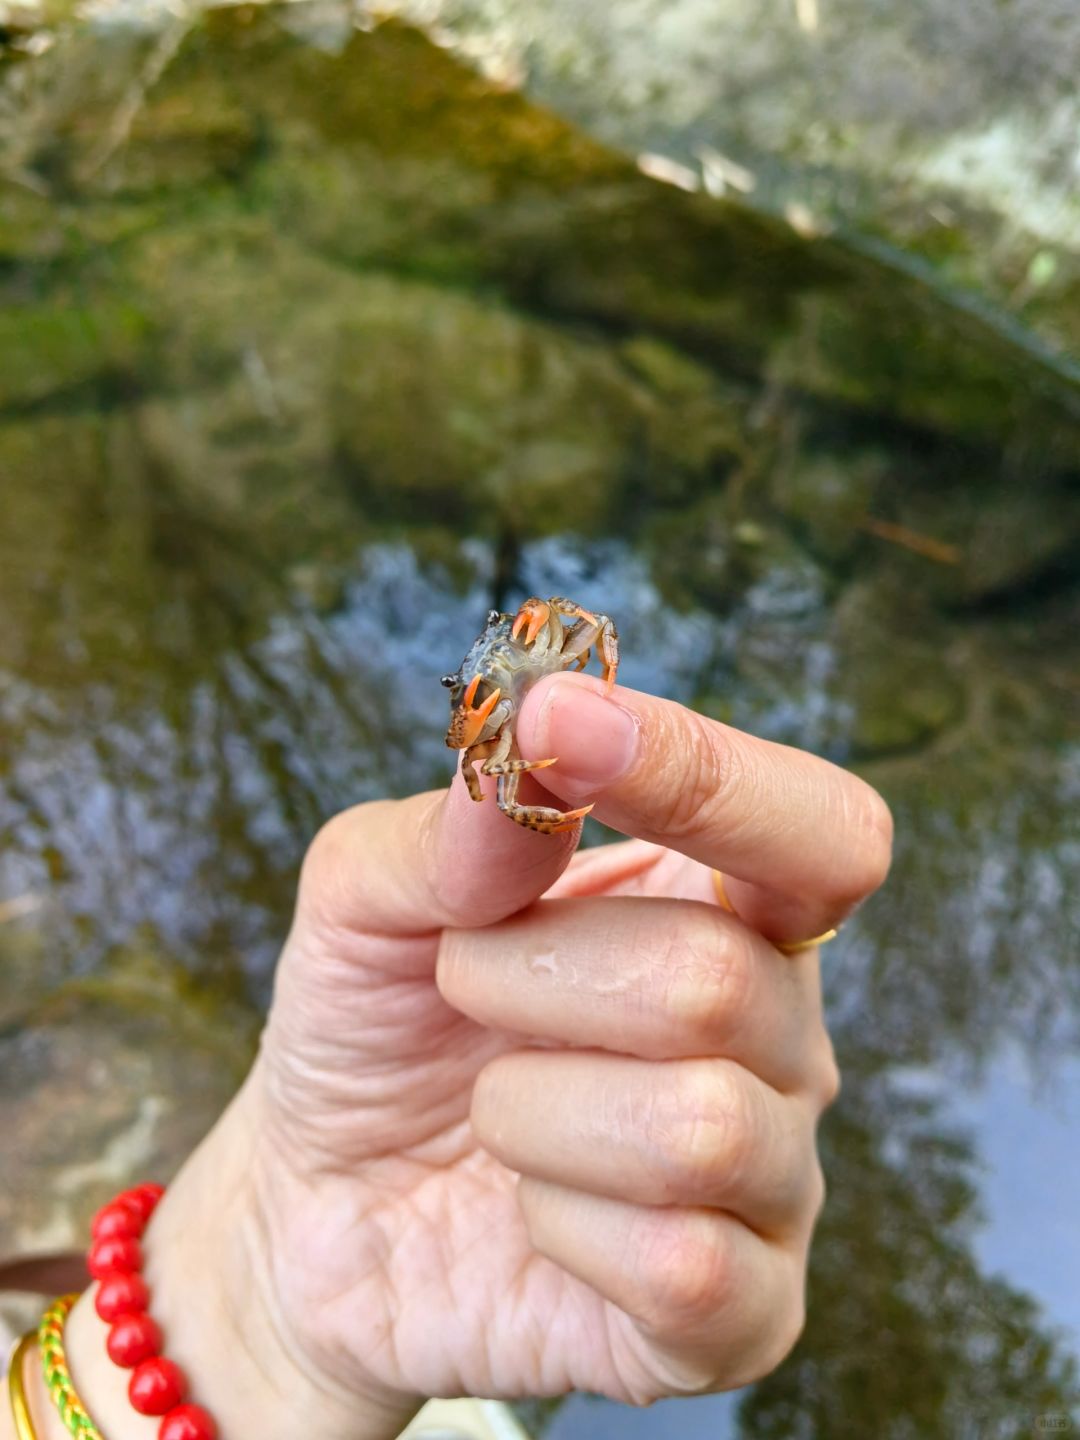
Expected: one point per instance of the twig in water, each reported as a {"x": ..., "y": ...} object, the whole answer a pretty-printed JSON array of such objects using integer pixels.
[{"x": 924, "y": 545}]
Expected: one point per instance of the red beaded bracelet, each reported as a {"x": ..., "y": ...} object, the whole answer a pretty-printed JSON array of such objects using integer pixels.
[{"x": 157, "y": 1386}]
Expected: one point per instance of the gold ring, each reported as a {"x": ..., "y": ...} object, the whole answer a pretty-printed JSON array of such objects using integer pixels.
[
  {"x": 721, "y": 893},
  {"x": 790, "y": 947},
  {"x": 786, "y": 947}
]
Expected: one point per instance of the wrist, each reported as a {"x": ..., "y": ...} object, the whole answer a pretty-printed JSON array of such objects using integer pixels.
[{"x": 207, "y": 1266}]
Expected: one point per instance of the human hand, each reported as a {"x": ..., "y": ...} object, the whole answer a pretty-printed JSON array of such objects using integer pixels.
[{"x": 651, "y": 1067}]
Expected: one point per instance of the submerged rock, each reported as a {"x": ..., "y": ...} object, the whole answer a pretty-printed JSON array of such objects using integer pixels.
[
  {"x": 445, "y": 175},
  {"x": 108, "y": 1082},
  {"x": 889, "y": 121}
]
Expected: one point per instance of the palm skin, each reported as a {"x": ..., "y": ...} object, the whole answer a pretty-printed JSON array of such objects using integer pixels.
[{"x": 409, "y": 1256}]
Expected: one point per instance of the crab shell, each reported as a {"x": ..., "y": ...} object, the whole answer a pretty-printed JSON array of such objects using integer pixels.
[{"x": 501, "y": 668}]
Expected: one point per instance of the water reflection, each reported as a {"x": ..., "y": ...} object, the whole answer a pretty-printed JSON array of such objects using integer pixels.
[
  {"x": 182, "y": 816},
  {"x": 1024, "y": 1134}
]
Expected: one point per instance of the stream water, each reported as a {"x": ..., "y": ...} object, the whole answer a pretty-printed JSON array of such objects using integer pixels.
[{"x": 313, "y": 345}]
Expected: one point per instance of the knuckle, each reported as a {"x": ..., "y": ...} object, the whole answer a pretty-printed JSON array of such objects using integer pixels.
[
  {"x": 686, "y": 1276},
  {"x": 786, "y": 1332},
  {"x": 325, "y": 869},
  {"x": 776, "y": 1333},
  {"x": 709, "y": 980},
  {"x": 827, "y": 1080},
  {"x": 707, "y": 1133},
  {"x": 872, "y": 830},
  {"x": 324, "y": 849},
  {"x": 697, "y": 769}
]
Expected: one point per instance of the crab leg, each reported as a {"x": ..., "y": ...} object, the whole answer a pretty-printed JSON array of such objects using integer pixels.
[
  {"x": 492, "y": 757},
  {"x": 562, "y": 606},
  {"x": 470, "y": 758},
  {"x": 501, "y": 763},
  {"x": 590, "y": 630},
  {"x": 544, "y": 818},
  {"x": 575, "y": 643}
]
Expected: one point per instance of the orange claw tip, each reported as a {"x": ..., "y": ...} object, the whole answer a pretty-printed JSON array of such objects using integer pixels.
[
  {"x": 535, "y": 615},
  {"x": 489, "y": 704},
  {"x": 470, "y": 693},
  {"x": 475, "y": 719},
  {"x": 536, "y": 624},
  {"x": 570, "y": 819},
  {"x": 543, "y": 764}
]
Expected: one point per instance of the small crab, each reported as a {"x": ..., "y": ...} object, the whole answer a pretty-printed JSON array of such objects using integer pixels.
[{"x": 505, "y": 661}]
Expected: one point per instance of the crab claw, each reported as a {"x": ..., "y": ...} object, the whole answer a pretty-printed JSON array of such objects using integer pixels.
[
  {"x": 535, "y": 613},
  {"x": 475, "y": 719}
]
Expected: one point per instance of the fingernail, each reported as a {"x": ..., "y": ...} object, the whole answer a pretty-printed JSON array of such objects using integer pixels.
[{"x": 594, "y": 739}]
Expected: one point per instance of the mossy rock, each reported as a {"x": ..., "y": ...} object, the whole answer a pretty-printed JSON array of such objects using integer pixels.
[
  {"x": 493, "y": 418},
  {"x": 385, "y": 151},
  {"x": 899, "y": 677},
  {"x": 903, "y": 701},
  {"x": 308, "y": 385},
  {"x": 31, "y": 227},
  {"x": 999, "y": 526},
  {"x": 108, "y": 1083},
  {"x": 66, "y": 342},
  {"x": 695, "y": 558},
  {"x": 1020, "y": 541},
  {"x": 826, "y": 496}
]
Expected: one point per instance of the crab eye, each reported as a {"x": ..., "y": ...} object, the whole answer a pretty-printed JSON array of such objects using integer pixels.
[
  {"x": 449, "y": 681},
  {"x": 493, "y": 615}
]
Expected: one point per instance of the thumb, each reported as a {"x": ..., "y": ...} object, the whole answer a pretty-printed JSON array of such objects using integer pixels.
[
  {"x": 399, "y": 868},
  {"x": 360, "y": 1045}
]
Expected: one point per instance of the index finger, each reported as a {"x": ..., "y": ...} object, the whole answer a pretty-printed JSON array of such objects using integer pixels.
[{"x": 802, "y": 840}]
